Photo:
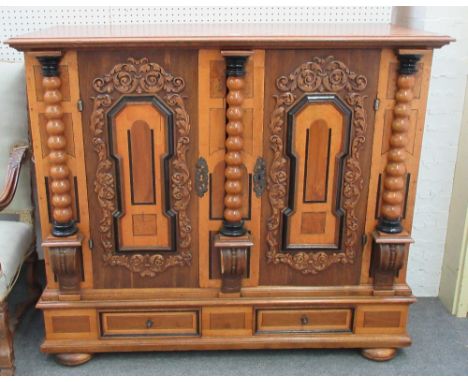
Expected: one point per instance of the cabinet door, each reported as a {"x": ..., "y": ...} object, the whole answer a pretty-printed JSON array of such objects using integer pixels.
[
  {"x": 317, "y": 144},
  {"x": 212, "y": 134},
  {"x": 139, "y": 116}
]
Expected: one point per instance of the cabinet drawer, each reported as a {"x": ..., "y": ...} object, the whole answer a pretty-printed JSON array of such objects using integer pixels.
[
  {"x": 175, "y": 323},
  {"x": 303, "y": 320}
]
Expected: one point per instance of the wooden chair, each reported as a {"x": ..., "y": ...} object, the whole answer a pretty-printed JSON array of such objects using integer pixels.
[{"x": 17, "y": 236}]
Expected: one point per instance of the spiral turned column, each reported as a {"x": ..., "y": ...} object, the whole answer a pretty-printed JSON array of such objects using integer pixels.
[
  {"x": 233, "y": 241},
  {"x": 393, "y": 195},
  {"x": 64, "y": 243},
  {"x": 60, "y": 186},
  {"x": 233, "y": 224},
  {"x": 390, "y": 242}
]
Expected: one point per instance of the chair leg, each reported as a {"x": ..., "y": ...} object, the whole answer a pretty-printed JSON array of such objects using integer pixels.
[
  {"x": 7, "y": 366},
  {"x": 34, "y": 290}
]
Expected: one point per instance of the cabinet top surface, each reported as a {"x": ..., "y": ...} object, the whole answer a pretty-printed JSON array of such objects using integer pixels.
[{"x": 229, "y": 35}]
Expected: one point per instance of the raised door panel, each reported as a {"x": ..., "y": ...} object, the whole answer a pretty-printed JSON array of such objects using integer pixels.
[
  {"x": 140, "y": 120},
  {"x": 212, "y": 134},
  {"x": 317, "y": 138}
]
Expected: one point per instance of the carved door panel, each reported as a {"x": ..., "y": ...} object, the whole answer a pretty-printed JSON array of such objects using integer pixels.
[
  {"x": 317, "y": 142},
  {"x": 139, "y": 115},
  {"x": 210, "y": 177}
]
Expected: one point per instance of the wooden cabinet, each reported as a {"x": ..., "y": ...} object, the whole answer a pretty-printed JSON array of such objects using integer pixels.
[{"x": 202, "y": 188}]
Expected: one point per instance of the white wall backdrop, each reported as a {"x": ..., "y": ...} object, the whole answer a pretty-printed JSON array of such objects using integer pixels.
[
  {"x": 20, "y": 20},
  {"x": 444, "y": 109},
  {"x": 440, "y": 142}
]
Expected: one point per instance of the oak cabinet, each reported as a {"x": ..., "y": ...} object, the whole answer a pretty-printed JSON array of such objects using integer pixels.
[{"x": 201, "y": 189}]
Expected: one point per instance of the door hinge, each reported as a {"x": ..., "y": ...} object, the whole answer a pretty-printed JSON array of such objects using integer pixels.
[
  {"x": 90, "y": 243},
  {"x": 376, "y": 104},
  {"x": 79, "y": 105}
]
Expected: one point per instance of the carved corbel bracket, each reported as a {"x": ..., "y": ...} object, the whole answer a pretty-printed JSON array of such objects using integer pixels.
[
  {"x": 65, "y": 259},
  {"x": 388, "y": 254},
  {"x": 234, "y": 259}
]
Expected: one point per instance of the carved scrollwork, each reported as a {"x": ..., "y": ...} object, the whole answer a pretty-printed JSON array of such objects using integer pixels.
[
  {"x": 142, "y": 76},
  {"x": 322, "y": 74},
  {"x": 138, "y": 76},
  {"x": 319, "y": 75}
]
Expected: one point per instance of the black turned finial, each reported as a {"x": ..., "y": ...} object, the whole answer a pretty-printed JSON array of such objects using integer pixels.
[
  {"x": 235, "y": 66},
  {"x": 64, "y": 229},
  {"x": 233, "y": 228},
  {"x": 408, "y": 63},
  {"x": 389, "y": 226},
  {"x": 49, "y": 65}
]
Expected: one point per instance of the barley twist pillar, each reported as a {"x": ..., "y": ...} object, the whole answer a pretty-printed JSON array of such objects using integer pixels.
[
  {"x": 60, "y": 186},
  {"x": 390, "y": 241},
  {"x": 64, "y": 243},
  {"x": 391, "y": 210},
  {"x": 233, "y": 240}
]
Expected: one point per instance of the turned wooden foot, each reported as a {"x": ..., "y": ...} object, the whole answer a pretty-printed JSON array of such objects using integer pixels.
[
  {"x": 379, "y": 354},
  {"x": 73, "y": 359}
]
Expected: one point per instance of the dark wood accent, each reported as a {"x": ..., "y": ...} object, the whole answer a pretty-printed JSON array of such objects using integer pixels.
[
  {"x": 141, "y": 154},
  {"x": 318, "y": 163}
]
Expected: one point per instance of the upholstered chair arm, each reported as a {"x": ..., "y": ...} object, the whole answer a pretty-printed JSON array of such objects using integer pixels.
[{"x": 17, "y": 157}]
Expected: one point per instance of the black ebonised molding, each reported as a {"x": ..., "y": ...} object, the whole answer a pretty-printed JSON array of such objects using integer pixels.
[{"x": 50, "y": 65}]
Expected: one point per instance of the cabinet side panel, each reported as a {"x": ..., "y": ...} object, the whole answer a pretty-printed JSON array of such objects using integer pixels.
[
  {"x": 75, "y": 153},
  {"x": 383, "y": 123}
]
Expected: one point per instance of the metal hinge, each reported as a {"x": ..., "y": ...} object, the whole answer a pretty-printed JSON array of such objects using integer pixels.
[
  {"x": 90, "y": 243},
  {"x": 79, "y": 105},
  {"x": 376, "y": 104}
]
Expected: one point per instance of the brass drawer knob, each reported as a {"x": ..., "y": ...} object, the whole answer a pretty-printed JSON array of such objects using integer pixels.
[
  {"x": 304, "y": 320},
  {"x": 149, "y": 324}
]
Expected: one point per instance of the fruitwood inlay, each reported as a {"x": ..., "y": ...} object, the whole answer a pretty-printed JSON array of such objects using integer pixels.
[
  {"x": 318, "y": 75},
  {"x": 139, "y": 76}
]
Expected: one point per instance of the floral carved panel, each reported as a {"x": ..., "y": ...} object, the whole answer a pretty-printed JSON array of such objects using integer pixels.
[
  {"x": 321, "y": 75},
  {"x": 137, "y": 77}
]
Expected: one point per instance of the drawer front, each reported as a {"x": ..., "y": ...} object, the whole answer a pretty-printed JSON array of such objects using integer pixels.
[
  {"x": 303, "y": 320},
  {"x": 167, "y": 323}
]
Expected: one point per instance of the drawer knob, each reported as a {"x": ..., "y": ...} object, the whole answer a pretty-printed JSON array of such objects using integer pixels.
[
  {"x": 149, "y": 324},
  {"x": 304, "y": 320}
]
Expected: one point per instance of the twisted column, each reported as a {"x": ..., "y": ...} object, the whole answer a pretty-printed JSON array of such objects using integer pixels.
[
  {"x": 60, "y": 186},
  {"x": 393, "y": 195},
  {"x": 233, "y": 224}
]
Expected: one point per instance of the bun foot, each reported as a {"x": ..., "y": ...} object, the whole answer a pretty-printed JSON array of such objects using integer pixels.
[
  {"x": 73, "y": 359},
  {"x": 379, "y": 354}
]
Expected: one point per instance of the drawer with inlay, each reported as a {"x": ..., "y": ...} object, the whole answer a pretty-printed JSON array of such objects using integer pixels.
[
  {"x": 303, "y": 320},
  {"x": 152, "y": 323}
]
